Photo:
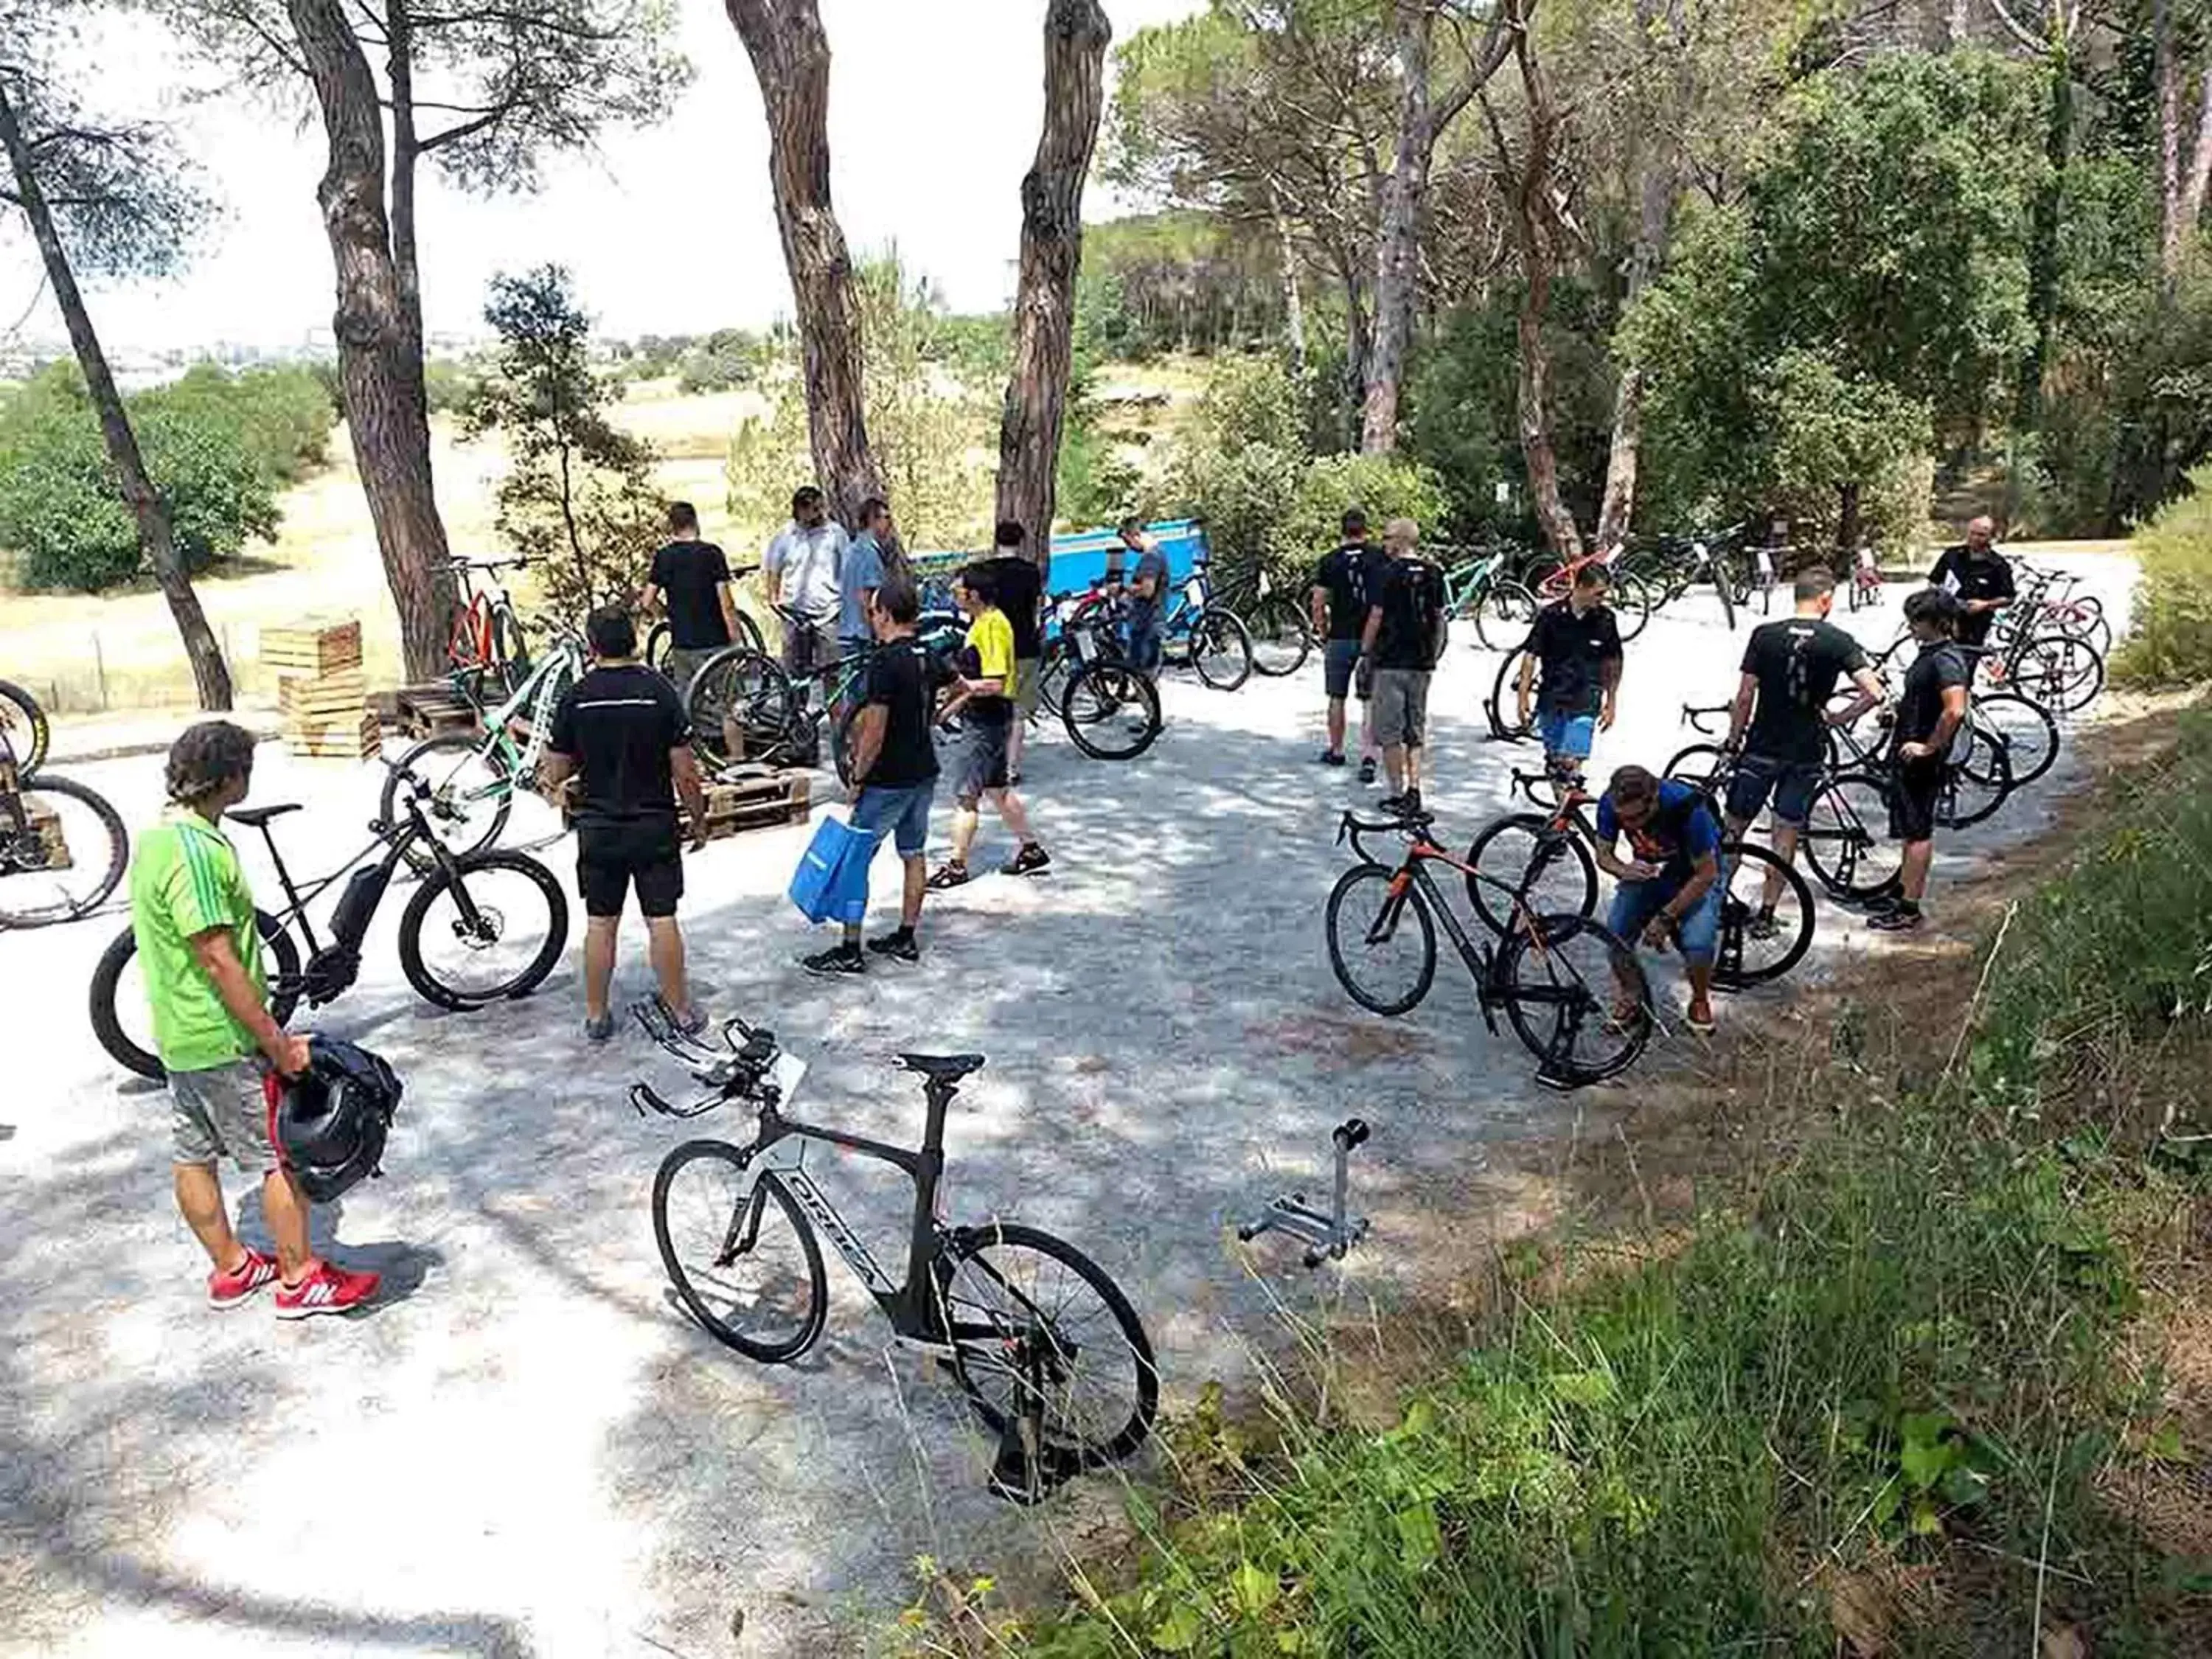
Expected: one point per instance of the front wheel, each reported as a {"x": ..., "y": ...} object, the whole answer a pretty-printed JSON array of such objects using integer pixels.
[
  {"x": 63, "y": 848},
  {"x": 470, "y": 790},
  {"x": 1766, "y": 918},
  {"x": 2025, "y": 728},
  {"x": 23, "y": 728},
  {"x": 742, "y": 1256},
  {"x": 122, "y": 1018},
  {"x": 1282, "y": 636},
  {"x": 490, "y": 927},
  {"x": 741, "y": 705},
  {"x": 1977, "y": 782},
  {"x": 1221, "y": 648},
  {"x": 1045, "y": 1347},
  {"x": 1504, "y": 615},
  {"x": 1503, "y": 707},
  {"x": 1577, "y": 998},
  {"x": 1631, "y": 602},
  {"x": 1111, "y": 711},
  {"x": 1381, "y": 941},
  {"x": 1522, "y": 855},
  {"x": 1846, "y": 836}
]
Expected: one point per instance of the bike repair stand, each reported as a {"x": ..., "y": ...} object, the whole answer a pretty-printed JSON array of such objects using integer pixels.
[{"x": 1326, "y": 1236}]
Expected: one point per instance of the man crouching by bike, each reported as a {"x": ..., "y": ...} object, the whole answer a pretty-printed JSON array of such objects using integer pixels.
[
  {"x": 200, "y": 951},
  {"x": 1669, "y": 890}
]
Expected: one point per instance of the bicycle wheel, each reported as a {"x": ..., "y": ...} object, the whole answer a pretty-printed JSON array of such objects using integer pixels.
[
  {"x": 1282, "y": 635},
  {"x": 2026, "y": 728},
  {"x": 1550, "y": 870},
  {"x": 493, "y": 927},
  {"x": 1052, "y": 675},
  {"x": 1846, "y": 836},
  {"x": 1044, "y": 1344},
  {"x": 2062, "y": 674},
  {"x": 1977, "y": 781},
  {"x": 1704, "y": 766},
  {"x": 1577, "y": 998},
  {"x": 1111, "y": 711},
  {"x": 472, "y": 793},
  {"x": 742, "y": 1256},
  {"x": 1381, "y": 941},
  {"x": 1766, "y": 918},
  {"x": 62, "y": 850},
  {"x": 123, "y": 1021},
  {"x": 742, "y": 706},
  {"x": 1505, "y": 614},
  {"x": 1631, "y": 602},
  {"x": 1221, "y": 648},
  {"x": 657, "y": 644},
  {"x": 1503, "y": 706},
  {"x": 1724, "y": 585},
  {"x": 24, "y": 729}
]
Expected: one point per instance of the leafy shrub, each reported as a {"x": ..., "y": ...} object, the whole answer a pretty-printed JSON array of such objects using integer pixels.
[
  {"x": 2171, "y": 640},
  {"x": 279, "y": 416}
]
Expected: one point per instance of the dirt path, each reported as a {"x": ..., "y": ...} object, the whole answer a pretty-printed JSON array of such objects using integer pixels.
[{"x": 527, "y": 1450}]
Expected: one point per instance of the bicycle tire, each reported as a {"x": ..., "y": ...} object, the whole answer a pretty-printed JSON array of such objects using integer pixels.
[
  {"x": 1704, "y": 766},
  {"x": 1977, "y": 783},
  {"x": 19, "y": 712},
  {"x": 282, "y": 967},
  {"x": 812, "y": 1317},
  {"x": 1794, "y": 917},
  {"x": 1052, "y": 675},
  {"x": 657, "y": 644},
  {"x": 1503, "y": 696},
  {"x": 106, "y": 875},
  {"x": 1219, "y": 633},
  {"x": 743, "y": 693},
  {"x": 1392, "y": 908},
  {"x": 1504, "y": 615},
  {"x": 1278, "y": 621},
  {"x": 533, "y": 973},
  {"x": 1846, "y": 836},
  {"x": 1534, "y": 971},
  {"x": 478, "y": 820},
  {"x": 1554, "y": 875},
  {"x": 986, "y": 1346},
  {"x": 2069, "y": 676},
  {"x": 2028, "y": 731},
  {"x": 1630, "y": 601},
  {"x": 1097, "y": 700}
]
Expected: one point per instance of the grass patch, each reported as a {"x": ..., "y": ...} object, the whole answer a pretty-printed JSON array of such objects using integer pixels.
[{"x": 2170, "y": 642}]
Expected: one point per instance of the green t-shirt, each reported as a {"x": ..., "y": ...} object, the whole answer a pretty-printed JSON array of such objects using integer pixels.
[{"x": 184, "y": 879}]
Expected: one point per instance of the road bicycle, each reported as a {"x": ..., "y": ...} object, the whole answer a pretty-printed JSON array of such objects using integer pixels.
[
  {"x": 62, "y": 847},
  {"x": 485, "y": 645},
  {"x": 471, "y": 779},
  {"x": 478, "y": 929},
  {"x": 1045, "y": 1346},
  {"x": 1482, "y": 588},
  {"x": 1110, "y": 708},
  {"x": 659, "y": 641},
  {"x": 1280, "y": 629},
  {"x": 1573, "y": 992},
  {"x": 1628, "y": 595},
  {"x": 1543, "y": 859}
]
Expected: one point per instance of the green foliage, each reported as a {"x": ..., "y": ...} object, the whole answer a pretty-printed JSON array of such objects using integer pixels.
[
  {"x": 214, "y": 450},
  {"x": 578, "y": 495},
  {"x": 2170, "y": 642},
  {"x": 1178, "y": 281},
  {"x": 449, "y": 384}
]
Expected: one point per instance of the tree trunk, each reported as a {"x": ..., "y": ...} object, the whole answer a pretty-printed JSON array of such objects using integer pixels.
[
  {"x": 1294, "y": 307},
  {"x": 1847, "y": 516},
  {"x": 791, "y": 60},
  {"x": 2167, "y": 71},
  {"x": 2043, "y": 249},
  {"x": 380, "y": 343},
  {"x": 1536, "y": 450},
  {"x": 1398, "y": 234},
  {"x": 406, "y": 151},
  {"x": 1958, "y": 24},
  {"x": 1655, "y": 210},
  {"x": 1075, "y": 33},
  {"x": 156, "y": 535},
  {"x": 2199, "y": 179}
]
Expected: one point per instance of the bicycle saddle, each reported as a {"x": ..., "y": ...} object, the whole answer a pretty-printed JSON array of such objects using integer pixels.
[
  {"x": 947, "y": 1067},
  {"x": 254, "y": 816}
]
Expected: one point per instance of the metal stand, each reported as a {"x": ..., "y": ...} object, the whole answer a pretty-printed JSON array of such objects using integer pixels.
[{"x": 1326, "y": 1236}]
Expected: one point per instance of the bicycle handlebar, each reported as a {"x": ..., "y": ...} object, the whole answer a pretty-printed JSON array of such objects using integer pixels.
[
  {"x": 1695, "y": 718},
  {"x": 520, "y": 562}
]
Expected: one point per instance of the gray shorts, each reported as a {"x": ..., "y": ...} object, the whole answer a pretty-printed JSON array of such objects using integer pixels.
[
  {"x": 684, "y": 663},
  {"x": 1401, "y": 705},
  {"x": 1029, "y": 685},
  {"x": 221, "y": 1111}
]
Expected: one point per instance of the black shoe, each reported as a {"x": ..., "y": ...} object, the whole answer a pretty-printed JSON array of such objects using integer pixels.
[
  {"x": 900, "y": 944},
  {"x": 949, "y": 875},
  {"x": 840, "y": 959},
  {"x": 1367, "y": 768},
  {"x": 1904, "y": 918},
  {"x": 1029, "y": 861},
  {"x": 1332, "y": 757},
  {"x": 1762, "y": 924}
]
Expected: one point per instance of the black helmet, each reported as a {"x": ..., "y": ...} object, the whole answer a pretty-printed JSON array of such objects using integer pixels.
[{"x": 328, "y": 1124}]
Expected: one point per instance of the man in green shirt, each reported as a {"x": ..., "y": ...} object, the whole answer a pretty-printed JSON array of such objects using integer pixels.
[{"x": 200, "y": 953}]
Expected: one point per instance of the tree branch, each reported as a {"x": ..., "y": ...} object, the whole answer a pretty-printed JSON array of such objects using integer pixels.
[{"x": 2032, "y": 42}]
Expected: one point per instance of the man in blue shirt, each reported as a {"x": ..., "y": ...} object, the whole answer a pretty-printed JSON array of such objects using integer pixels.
[
  {"x": 1669, "y": 888},
  {"x": 861, "y": 574}
]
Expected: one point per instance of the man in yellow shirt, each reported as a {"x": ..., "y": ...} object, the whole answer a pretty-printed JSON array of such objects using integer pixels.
[{"x": 984, "y": 698}]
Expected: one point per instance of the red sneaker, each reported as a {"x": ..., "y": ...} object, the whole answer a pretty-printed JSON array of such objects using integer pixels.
[
  {"x": 326, "y": 1289},
  {"x": 228, "y": 1289}
]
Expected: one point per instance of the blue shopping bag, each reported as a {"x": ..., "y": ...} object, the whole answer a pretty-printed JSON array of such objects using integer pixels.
[{"x": 831, "y": 882}]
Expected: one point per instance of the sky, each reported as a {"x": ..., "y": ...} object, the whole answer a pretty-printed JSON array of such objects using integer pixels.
[{"x": 934, "y": 108}]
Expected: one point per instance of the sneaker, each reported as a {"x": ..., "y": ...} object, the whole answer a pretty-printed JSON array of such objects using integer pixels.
[
  {"x": 228, "y": 1289},
  {"x": 949, "y": 875},
  {"x": 689, "y": 1024},
  {"x": 1332, "y": 757},
  {"x": 598, "y": 1029},
  {"x": 1367, "y": 768},
  {"x": 326, "y": 1290},
  {"x": 1392, "y": 803},
  {"x": 1762, "y": 924},
  {"x": 839, "y": 959},
  {"x": 1701, "y": 1023},
  {"x": 1902, "y": 918},
  {"x": 901, "y": 944},
  {"x": 1029, "y": 861}
]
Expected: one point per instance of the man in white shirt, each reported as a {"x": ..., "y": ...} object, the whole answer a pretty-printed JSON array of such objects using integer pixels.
[{"x": 804, "y": 567}]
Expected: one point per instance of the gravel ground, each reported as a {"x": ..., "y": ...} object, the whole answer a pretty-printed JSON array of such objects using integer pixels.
[{"x": 525, "y": 1448}]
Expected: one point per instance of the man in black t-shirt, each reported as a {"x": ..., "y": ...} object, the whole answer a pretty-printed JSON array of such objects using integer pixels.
[
  {"x": 894, "y": 764},
  {"x": 692, "y": 579},
  {"x": 1018, "y": 588},
  {"x": 1340, "y": 599},
  {"x": 622, "y": 726},
  {"x": 1929, "y": 712},
  {"x": 1979, "y": 577},
  {"x": 1789, "y": 671},
  {"x": 1577, "y": 644},
  {"x": 1405, "y": 626}
]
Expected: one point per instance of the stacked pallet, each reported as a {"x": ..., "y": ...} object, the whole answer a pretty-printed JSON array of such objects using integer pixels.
[
  {"x": 42, "y": 821},
  {"x": 321, "y": 690},
  {"x": 756, "y": 797}
]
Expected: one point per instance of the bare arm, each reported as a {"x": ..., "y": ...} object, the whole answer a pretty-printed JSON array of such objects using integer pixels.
[
  {"x": 1872, "y": 694},
  {"x": 1747, "y": 689},
  {"x": 868, "y": 728},
  {"x": 1608, "y": 678},
  {"x": 683, "y": 772},
  {"x": 218, "y": 959},
  {"x": 1317, "y": 603},
  {"x": 1369, "y": 634},
  {"x": 727, "y": 594},
  {"x": 649, "y": 598},
  {"x": 1703, "y": 874}
]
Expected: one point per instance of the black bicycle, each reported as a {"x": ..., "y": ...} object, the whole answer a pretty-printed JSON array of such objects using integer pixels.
[
  {"x": 1045, "y": 1346},
  {"x": 62, "y": 847},
  {"x": 480, "y": 929},
  {"x": 659, "y": 641}
]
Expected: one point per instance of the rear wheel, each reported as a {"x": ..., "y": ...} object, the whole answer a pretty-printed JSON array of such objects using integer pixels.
[
  {"x": 1766, "y": 918},
  {"x": 1282, "y": 635},
  {"x": 1577, "y": 998},
  {"x": 62, "y": 850},
  {"x": 1631, "y": 602},
  {"x": 1505, "y": 614},
  {"x": 1111, "y": 711},
  {"x": 121, "y": 1017},
  {"x": 1846, "y": 836},
  {"x": 1503, "y": 707},
  {"x": 1977, "y": 781},
  {"x": 1381, "y": 941},
  {"x": 23, "y": 728},
  {"x": 742, "y": 1256},
  {"x": 742, "y": 706},
  {"x": 2025, "y": 728},
  {"x": 1704, "y": 766},
  {"x": 493, "y": 927},
  {"x": 1550, "y": 869},
  {"x": 470, "y": 794},
  {"x": 1220, "y": 649}
]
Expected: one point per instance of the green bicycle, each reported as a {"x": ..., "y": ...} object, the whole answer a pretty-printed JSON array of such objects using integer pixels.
[{"x": 1482, "y": 589}]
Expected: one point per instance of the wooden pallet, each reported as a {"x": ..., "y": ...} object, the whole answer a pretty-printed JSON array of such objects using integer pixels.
[
  {"x": 355, "y": 737},
  {"x": 312, "y": 645},
  {"x": 42, "y": 820},
  {"x": 432, "y": 710},
  {"x": 322, "y": 696},
  {"x": 756, "y": 798}
]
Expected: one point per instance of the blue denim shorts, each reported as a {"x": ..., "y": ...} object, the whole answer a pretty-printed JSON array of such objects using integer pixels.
[
  {"x": 1567, "y": 734},
  {"x": 1337, "y": 659},
  {"x": 1634, "y": 903},
  {"x": 900, "y": 808}
]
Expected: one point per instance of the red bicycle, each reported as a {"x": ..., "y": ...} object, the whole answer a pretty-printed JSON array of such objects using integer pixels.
[
  {"x": 486, "y": 640},
  {"x": 1627, "y": 594}
]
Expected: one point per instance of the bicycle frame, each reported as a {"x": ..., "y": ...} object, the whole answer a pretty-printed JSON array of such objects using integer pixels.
[
  {"x": 538, "y": 693},
  {"x": 1420, "y": 851}
]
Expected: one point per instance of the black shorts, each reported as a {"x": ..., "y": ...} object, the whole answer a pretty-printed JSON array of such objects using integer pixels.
[
  {"x": 982, "y": 760},
  {"x": 1912, "y": 796},
  {"x": 609, "y": 856}
]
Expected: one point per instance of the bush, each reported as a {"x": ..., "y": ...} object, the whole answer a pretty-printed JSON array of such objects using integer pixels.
[
  {"x": 2171, "y": 640},
  {"x": 213, "y": 453},
  {"x": 279, "y": 417}
]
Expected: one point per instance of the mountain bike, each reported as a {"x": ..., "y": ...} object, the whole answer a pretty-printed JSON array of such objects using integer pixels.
[
  {"x": 1543, "y": 859},
  {"x": 480, "y": 929},
  {"x": 1482, "y": 589},
  {"x": 1201, "y": 633},
  {"x": 659, "y": 641},
  {"x": 1110, "y": 710},
  {"x": 1045, "y": 1346},
  {"x": 1277, "y": 624},
  {"x": 485, "y": 644},
  {"x": 472, "y": 778},
  {"x": 62, "y": 847},
  {"x": 1573, "y": 992}
]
